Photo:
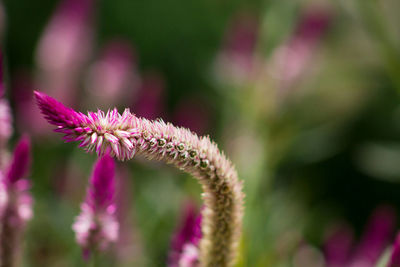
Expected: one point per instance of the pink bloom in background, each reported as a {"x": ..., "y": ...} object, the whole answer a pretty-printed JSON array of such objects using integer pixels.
[
  {"x": 149, "y": 102},
  {"x": 64, "y": 48},
  {"x": 395, "y": 255},
  {"x": 184, "y": 245},
  {"x": 291, "y": 59},
  {"x": 96, "y": 226},
  {"x": 236, "y": 61},
  {"x": 16, "y": 201},
  {"x": 338, "y": 248},
  {"x": 112, "y": 77}
]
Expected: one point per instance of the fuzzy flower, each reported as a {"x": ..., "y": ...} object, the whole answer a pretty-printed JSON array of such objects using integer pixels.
[
  {"x": 126, "y": 135},
  {"x": 96, "y": 227},
  {"x": 184, "y": 246},
  {"x": 16, "y": 201}
]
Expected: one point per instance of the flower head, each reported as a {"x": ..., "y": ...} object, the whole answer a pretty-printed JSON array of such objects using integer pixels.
[
  {"x": 125, "y": 135},
  {"x": 96, "y": 227}
]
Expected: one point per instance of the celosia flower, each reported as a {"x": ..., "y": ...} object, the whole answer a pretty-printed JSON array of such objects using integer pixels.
[
  {"x": 16, "y": 201},
  {"x": 184, "y": 245},
  {"x": 125, "y": 135},
  {"x": 395, "y": 255},
  {"x": 96, "y": 227}
]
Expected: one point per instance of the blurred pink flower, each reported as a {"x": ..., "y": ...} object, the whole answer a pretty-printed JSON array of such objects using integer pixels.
[
  {"x": 96, "y": 226},
  {"x": 236, "y": 62},
  {"x": 112, "y": 77},
  {"x": 64, "y": 48},
  {"x": 291, "y": 59}
]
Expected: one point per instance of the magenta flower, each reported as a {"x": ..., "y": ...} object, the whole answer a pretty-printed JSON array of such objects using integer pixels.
[
  {"x": 124, "y": 135},
  {"x": 185, "y": 243},
  {"x": 15, "y": 201},
  {"x": 96, "y": 226},
  {"x": 395, "y": 255}
]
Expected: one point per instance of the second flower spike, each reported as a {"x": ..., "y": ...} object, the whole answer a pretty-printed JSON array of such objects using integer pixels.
[{"x": 96, "y": 226}]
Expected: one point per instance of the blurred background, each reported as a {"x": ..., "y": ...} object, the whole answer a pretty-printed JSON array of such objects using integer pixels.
[{"x": 302, "y": 95}]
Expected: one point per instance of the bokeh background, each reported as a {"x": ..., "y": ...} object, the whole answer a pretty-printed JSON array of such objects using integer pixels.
[{"x": 302, "y": 95}]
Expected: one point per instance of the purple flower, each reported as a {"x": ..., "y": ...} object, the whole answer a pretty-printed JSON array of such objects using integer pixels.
[
  {"x": 96, "y": 226},
  {"x": 184, "y": 244},
  {"x": 395, "y": 257}
]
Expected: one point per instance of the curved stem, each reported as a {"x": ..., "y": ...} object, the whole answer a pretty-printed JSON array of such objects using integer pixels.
[{"x": 125, "y": 135}]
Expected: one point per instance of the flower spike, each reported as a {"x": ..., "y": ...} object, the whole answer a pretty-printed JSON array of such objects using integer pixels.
[
  {"x": 125, "y": 135},
  {"x": 96, "y": 227}
]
